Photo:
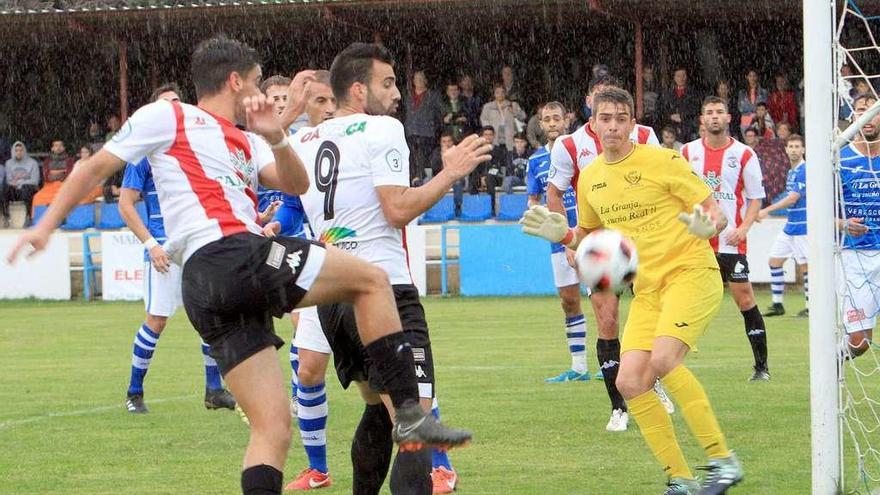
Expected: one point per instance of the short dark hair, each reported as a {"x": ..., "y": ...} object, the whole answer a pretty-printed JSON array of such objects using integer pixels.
[
  {"x": 447, "y": 134},
  {"x": 322, "y": 76},
  {"x": 355, "y": 64},
  {"x": 761, "y": 104},
  {"x": 795, "y": 137},
  {"x": 614, "y": 95},
  {"x": 551, "y": 105},
  {"x": 164, "y": 88},
  {"x": 751, "y": 129},
  {"x": 276, "y": 80},
  {"x": 520, "y": 135},
  {"x": 863, "y": 96},
  {"x": 487, "y": 128},
  {"x": 606, "y": 80},
  {"x": 713, "y": 100},
  {"x": 670, "y": 130},
  {"x": 215, "y": 58}
]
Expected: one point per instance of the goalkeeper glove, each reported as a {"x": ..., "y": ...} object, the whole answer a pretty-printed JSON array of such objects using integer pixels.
[
  {"x": 699, "y": 223},
  {"x": 541, "y": 222}
]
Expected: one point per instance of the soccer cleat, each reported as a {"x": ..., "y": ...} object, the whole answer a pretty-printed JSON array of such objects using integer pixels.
[
  {"x": 444, "y": 480},
  {"x": 804, "y": 313},
  {"x": 682, "y": 486},
  {"x": 775, "y": 309},
  {"x": 414, "y": 429},
  {"x": 721, "y": 474},
  {"x": 619, "y": 420},
  {"x": 219, "y": 399},
  {"x": 135, "y": 404},
  {"x": 661, "y": 394},
  {"x": 294, "y": 407},
  {"x": 760, "y": 375},
  {"x": 569, "y": 376},
  {"x": 309, "y": 479}
]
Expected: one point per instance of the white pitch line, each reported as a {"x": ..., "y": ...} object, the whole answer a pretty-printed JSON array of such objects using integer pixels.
[{"x": 82, "y": 412}]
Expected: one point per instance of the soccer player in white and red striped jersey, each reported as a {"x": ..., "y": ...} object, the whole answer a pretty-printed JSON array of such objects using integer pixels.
[
  {"x": 570, "y": 154},
  {"x": 235, "y": 280},
  {"x": 731, "y": 169}
]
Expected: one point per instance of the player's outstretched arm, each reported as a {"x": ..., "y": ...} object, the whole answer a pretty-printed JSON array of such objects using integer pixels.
[
  {"x": 288, "y": 174},
  {"x": 782, "y": 204},
  {"x": 80, "y": 182},
  {"x": 706, "y": 220},
  {"x": 554, "y": 199},
  {"x": 158, "y": 257},
  {"x": 541, "y": 222},
  {"x": 402, "y": 204}
]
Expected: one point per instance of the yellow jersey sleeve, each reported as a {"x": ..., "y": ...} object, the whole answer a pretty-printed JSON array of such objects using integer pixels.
[
  {"x": 587, "y": 216},
  {"x": 684, "y": 183}
]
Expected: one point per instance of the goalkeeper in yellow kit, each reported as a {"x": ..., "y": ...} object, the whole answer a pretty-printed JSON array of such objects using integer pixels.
[{"x": 651, "y": 195}]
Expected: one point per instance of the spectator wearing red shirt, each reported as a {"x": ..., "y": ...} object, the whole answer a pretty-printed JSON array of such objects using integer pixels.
[{"x": 782, "y": 103}]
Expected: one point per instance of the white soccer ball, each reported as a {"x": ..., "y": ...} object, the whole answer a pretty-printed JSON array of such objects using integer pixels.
[{"x": 606, "y": 260}]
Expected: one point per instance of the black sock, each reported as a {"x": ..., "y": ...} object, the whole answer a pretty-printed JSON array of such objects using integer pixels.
[
  {"x": 261, "y": 479},
  {"x": 371, "y": 450},
  {"x": 393, "y": 358},
  {"x": 411, "y": 473},
  {"x": 757, "y": 334},
  {"x": 608, "y": 354}
]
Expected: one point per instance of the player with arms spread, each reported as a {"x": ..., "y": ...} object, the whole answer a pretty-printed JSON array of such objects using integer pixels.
[
  {"x": 641, "y": 191},
  {"x": 235, "y": 280}
]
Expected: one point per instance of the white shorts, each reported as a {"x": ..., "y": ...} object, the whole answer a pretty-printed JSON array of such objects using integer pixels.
[
  {"x": 563, "y": 273},
  {"x": 790, "y": 246},
  {"x": 309, "y": 334},
  {"x": 860, "y": 291},
  {"x": 162, "y": 294}
]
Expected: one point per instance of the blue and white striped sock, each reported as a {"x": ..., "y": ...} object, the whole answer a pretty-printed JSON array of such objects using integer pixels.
[
  {"x": 438, "y": 458},
  {"x": 294, "y": 369},
  {"x": 145, "y": 341},
  {"x": 576, "y": 333},
  {"x": 777, "y": 284},
  {"x": 312, "y": 417},
  {"x": 212, "y": 372}
]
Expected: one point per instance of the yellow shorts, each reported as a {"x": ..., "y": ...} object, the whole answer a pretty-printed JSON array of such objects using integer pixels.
[{"x": 682, "y": 308}]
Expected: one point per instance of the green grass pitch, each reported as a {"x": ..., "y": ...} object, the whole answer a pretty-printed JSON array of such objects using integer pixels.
[{"x": 64, "y": 370}]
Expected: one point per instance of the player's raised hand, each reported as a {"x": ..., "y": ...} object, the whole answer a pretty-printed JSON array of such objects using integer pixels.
[
  {"x": 29, "y": 243},
  {"x": 463, "y": 158},
  {"x": 699, "y": 223},
  {"x": 297, "y": 96},
  {"x": 541, "y": 222},
  {"x": 271, "y": 229},
  {"x": 269, "y": 212},
  {"x": 160, "y": 259},
  {"x": 262, "y": 119}
]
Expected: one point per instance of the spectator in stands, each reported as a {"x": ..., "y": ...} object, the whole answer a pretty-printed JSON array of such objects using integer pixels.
[
  {"x": 446, "y": 141},
  {"x": 861, "y": 86},
  {"x": 96, "y": 137},
  {"x": 669, "y": 139},
  {"x": 473, "y": 104},
  {"x": 650, "y": 97},
  {"x": 56, "y": 168},
  {"x": 722, "y": 90},
  {"x": 513, "y": 90},
  {"x": 600, "y": 70},
  {"x": 774, "y": 162},
  {"x": 421, "y": 122},
  {"x": 572, "y": 122},
  {"x": 501, "y": 114},
  {"x": 783, "y": 131},
  {"x": 21, "y": 181},
  {"x": 455, "y": 119},
  {"x": 749, "y": 98},
  {"x": 782, "y": 103},
  {"x": 680, "y": 106},
  {"x": 534, "y": 133},
  {"x": 762, "y": 122},
  {"x": 113, "y": 125},
  {"x": 496, "y": 168},
  {"x": 85, "y": 151},
  {"x": 517, "y": 163}
]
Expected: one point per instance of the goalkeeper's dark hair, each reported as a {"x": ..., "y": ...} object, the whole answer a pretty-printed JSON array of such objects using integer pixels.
[
  {"x": 713, "y": 100},
  {"x": 215, "y": 58},
  {"x": 616, "y": 96},
  {"x": 355, "y": 64}
]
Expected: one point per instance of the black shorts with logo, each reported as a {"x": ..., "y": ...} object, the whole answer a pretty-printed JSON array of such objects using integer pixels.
[
  {"x": 233, "y": 287},
  {"x": 352, "y": 362},
  {"x": 734, "y": 267}
]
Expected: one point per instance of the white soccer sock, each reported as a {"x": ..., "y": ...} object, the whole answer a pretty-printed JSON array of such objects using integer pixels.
[{"x": 576, "y": 332}]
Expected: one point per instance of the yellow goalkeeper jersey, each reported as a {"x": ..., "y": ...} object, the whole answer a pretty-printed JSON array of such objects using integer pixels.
[{"x": 641, "y": 196}]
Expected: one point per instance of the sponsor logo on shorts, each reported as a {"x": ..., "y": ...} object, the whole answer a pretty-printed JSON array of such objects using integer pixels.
[
  {"x": 609, "y": 364},
  {"x": 294, "y": 260},
  {"x": 855, "y": 314},
  {"x": 276, "y": 255},
  {"x": 738, "y": 267},
  {"x": 420, "y": 373},
  {"x": 418, "y": 354}
]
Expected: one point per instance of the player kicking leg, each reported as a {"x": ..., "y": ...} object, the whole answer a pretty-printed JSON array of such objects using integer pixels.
[
  {"x": 235, "y": 279},
  {"x": 678, "y": 289},
  {"x": 161, "y": 281}
]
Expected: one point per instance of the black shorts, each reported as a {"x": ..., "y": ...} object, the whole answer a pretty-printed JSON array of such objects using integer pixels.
[
  {"x": 734, "y": 267},
  {"x": 233, "y": 287},
  {"x": 349, "y": 356}
]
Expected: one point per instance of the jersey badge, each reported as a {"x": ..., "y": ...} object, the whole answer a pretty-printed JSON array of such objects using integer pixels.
[{"x": 394, "y": 160}]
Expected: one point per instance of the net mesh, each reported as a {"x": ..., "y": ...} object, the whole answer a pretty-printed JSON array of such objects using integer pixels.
[{"x": 857, "y": 258}]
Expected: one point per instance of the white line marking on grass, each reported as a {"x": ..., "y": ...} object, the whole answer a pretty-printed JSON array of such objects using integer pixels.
[{"x": 82, "y": 412}]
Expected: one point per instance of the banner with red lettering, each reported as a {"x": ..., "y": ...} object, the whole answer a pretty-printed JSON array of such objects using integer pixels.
[{"x": 122, "y": 266}]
